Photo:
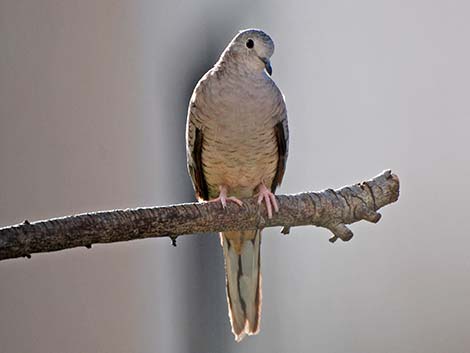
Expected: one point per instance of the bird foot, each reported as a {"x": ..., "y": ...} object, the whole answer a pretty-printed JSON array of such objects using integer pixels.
[
  {"x": 265, "y": 194},
  {"x": 223, "y": 198}
]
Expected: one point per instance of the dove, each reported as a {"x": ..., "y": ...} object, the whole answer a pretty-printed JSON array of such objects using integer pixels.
[{"x": 236, "y": 146}]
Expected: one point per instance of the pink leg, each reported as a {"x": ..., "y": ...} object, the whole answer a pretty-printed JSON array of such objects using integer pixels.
[
  {"x": 265, "y": 194},
  {"x": 223, "y": 198}
]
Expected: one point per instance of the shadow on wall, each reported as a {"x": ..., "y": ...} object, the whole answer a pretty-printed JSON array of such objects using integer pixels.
[{"x": 205, "y": 324}]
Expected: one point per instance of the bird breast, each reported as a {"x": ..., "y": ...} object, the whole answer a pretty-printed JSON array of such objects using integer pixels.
[{"x": 240, "y": 149}]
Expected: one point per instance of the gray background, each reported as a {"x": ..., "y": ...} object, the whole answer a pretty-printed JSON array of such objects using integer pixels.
[{"x": 93, "y": 96}]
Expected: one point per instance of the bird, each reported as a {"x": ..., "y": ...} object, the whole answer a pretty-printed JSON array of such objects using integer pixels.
[{"x": 236, "y": 146}]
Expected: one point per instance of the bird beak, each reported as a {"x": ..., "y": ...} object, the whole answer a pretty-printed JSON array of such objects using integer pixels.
[{"x": 267, "y": 66}]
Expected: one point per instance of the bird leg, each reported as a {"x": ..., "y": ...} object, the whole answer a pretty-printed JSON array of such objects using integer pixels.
[
  {"x": 265, "y": 194},
  {"x": 223, "y": 198}
]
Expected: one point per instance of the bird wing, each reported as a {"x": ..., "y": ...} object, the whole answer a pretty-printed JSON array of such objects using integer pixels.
[
  {"x": 194, "y": 145},
  {"x": 281, "y": 132}
]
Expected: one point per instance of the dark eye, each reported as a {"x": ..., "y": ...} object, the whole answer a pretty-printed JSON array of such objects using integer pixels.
[{"x": 250, "y": 44}]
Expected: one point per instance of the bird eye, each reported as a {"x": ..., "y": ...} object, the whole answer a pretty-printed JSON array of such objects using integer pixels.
[{"x": 250, "y": 44}]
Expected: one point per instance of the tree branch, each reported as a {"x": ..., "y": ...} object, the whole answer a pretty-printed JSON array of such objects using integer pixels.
[{"x": 331, "y": 209}]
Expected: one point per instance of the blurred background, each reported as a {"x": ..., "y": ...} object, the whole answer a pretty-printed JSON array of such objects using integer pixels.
[{"x": 93, "y": 99}]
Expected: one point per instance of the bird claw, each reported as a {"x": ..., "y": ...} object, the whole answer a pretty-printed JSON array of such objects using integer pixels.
[
  {"x": 223, "y": 198},
  {"x": 265, "y": 194}
]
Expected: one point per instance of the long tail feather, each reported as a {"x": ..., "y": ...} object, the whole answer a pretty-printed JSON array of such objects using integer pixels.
[{"x": 243, "y": 279}]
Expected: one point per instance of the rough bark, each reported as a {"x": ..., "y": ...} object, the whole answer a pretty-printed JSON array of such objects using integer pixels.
[{"x": 331, "y": 209}]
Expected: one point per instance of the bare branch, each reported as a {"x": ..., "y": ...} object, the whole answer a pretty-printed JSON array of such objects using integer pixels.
[{"x": 331, "y": 209}]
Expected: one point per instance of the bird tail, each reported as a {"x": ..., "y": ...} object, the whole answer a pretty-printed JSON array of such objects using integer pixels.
[{"x": 243, "y": 279}]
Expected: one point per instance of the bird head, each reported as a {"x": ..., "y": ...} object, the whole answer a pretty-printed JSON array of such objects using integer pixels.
[{"x": 254, "y": 48}]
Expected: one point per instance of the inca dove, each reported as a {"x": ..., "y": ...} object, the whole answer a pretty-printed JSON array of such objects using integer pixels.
[{"x": 237, "y": 141}]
